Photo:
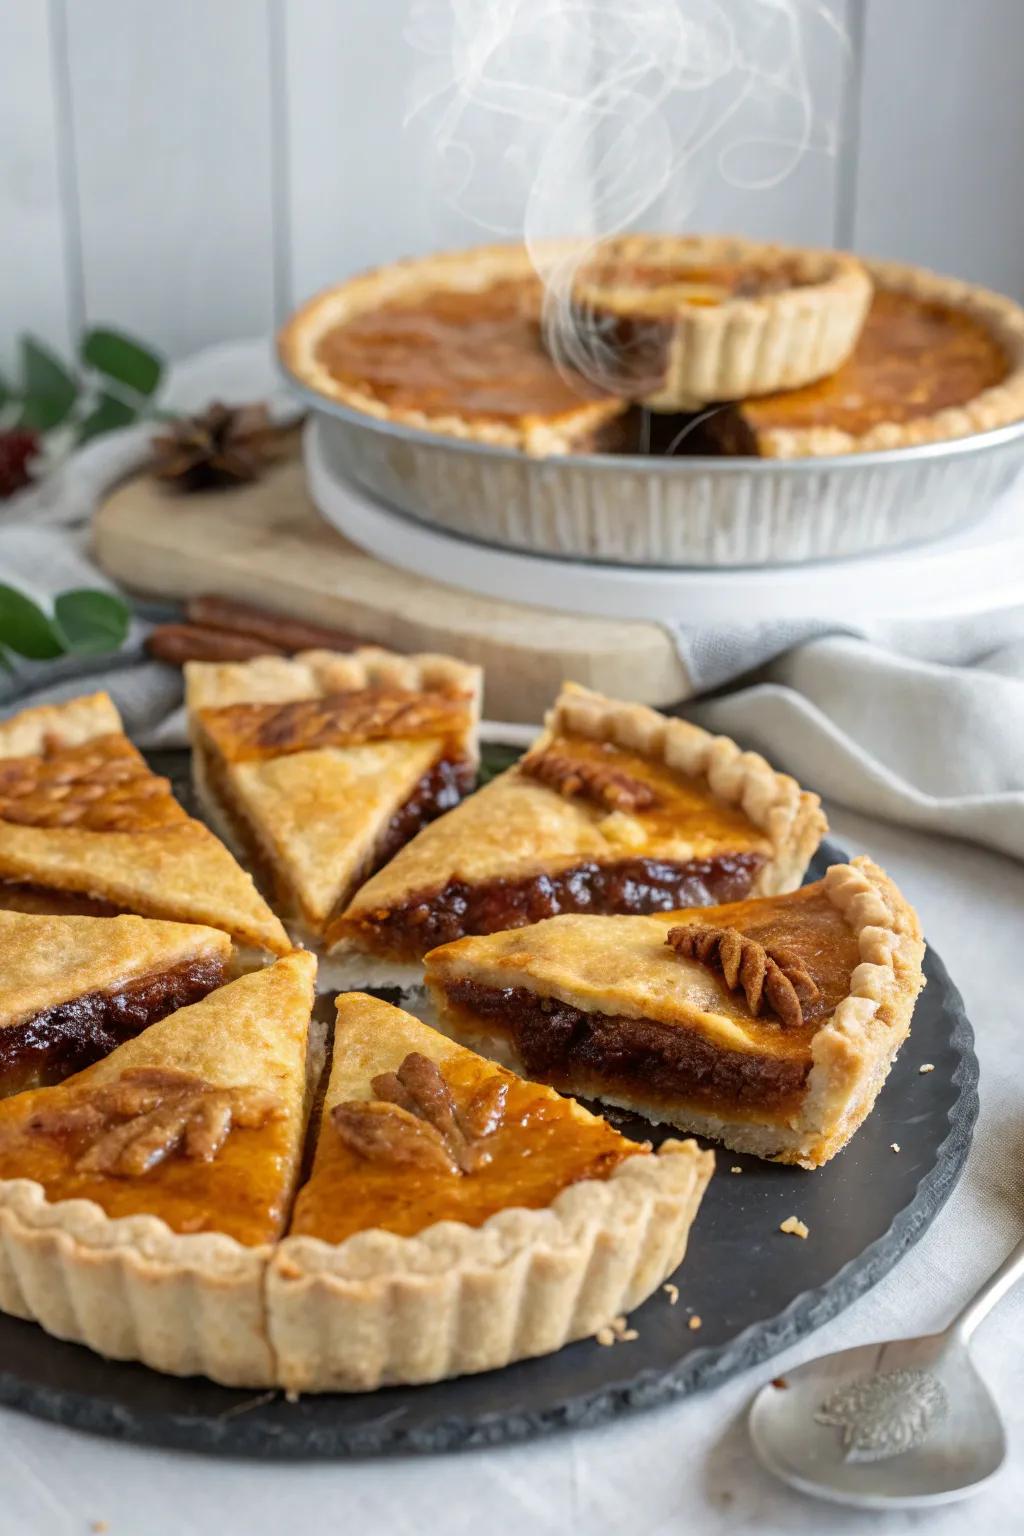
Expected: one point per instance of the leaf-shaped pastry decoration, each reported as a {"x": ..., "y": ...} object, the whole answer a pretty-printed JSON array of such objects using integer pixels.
[
  {"x": 883, "y": 1416},
  {"x": 415, "y": 1119},
  {"x": 770, "y": 978}
]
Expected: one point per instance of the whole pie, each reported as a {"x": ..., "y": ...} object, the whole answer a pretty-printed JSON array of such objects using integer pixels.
[
  {"x": 86, "y": 827},
  {"x": 769, "y": 1023},
  {"x": 318, "y": 769},
  {"x": 455, "y": 344},
  {"x": 675, "y": 322},
  {"x": 73, "y": 988},
  {"x": 615, "y": 809},
  {"x": 139, "y": 1198},
  {"x": 458, "y": 1218}
]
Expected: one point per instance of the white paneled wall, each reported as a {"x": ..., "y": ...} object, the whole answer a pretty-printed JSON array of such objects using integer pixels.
[{"x": 191, "y": 170}]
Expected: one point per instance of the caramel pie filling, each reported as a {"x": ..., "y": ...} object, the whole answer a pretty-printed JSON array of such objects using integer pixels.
[
  {"x": 534, "y": 1151},
  {"x": 254, "y": 732},
  {"x": 103, "y": 785},
  {"x": 157, "y": 1143},
  {"x": 71, "y": 1036},
  {"x": 630, "y": 886}
]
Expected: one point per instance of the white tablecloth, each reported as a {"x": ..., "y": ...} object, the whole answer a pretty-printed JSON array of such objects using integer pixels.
[{"x": 685, "y": 1468}]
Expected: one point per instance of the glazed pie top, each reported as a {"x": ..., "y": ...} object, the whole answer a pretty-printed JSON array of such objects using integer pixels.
[
  {"x": 322, "y": 766},
  {"x": 780, "y": 1013},
  {"x": 85, "y": 825},
  {"x": 197, "y": 1122},
  {"x": 937, "y": 359},
  {"x": 615, "y": 808},
  {"x": 71, "y": 988},
  {"x": 451, "y": 343},
  {"x": 416, "y": 1130}
]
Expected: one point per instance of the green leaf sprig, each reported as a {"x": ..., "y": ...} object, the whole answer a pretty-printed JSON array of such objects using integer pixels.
[
  {"x": 112, "y": 383},
  {"x": 84, "y": 622}
]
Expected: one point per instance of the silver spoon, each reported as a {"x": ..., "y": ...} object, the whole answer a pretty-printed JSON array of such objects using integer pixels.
[{"x": 889, "y": 1426}]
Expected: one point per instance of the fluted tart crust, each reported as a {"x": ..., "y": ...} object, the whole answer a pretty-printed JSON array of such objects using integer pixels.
[
  {"x": 317, "y": 769},
  {"x": 770, "y": 1023},
  {"x": 614, "y": 809},
  {"x": 86, "y": 827}
]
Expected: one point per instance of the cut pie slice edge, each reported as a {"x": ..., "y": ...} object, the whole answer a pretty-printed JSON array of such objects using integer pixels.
[
  {"x": 615, "y": 809},
  {"x": 86, "y": 827},
  {"x": 769, "y": 1024},
  {"x": 458, "y": 1218},
  {"x": 138, "y": 1199},
  {"x": 319, "y": 768},
  {"x": 74, "y": 988}
]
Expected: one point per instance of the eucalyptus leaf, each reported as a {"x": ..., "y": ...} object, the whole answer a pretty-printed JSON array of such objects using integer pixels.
[
  {"x": 25, "y": 628},
  {"x": 49, "y": 390},
  {"x": 5, "y": 392},
  {"x": 106, "y": 415},
  {"x": 91, "y": 622},
  {"x": 495, "y": 757},
  {"x": 123, "y": 359}
]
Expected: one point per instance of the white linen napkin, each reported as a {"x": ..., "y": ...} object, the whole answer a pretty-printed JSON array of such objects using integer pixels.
[{"x": 919, "y": 722}]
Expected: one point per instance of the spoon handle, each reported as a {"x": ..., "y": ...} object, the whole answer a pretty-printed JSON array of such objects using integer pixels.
[{"x": 991, "y": 1293}]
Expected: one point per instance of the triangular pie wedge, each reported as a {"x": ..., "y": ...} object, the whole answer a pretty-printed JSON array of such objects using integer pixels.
[
  {"x": 74, "y": 988},
  {"x": 87, "y": 828},
  {"x": 770, "y": 1024},
  {"x": 458, "y": 1218},
  {"x": 138, "y": 1199},
  {"x": 615, "y": 809},
  {"x": 316, "y": 770}
]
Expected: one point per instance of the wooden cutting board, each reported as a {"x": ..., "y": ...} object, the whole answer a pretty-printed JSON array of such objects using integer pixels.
[{"x": 267, "y": 544}]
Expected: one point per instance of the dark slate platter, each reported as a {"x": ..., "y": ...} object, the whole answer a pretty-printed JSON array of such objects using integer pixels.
[{"x": 755, "y": 1290}]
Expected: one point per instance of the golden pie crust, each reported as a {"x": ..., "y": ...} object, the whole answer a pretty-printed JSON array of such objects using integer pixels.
[
  {"x": 84, "y": 818},
  {"x": 687, "y": 320},
  {"x": 713, "y": 802},
  {"x": 381, "y": 1307},
  {"x": 792, "y": 1094},
  {"x": 313, "y": 769}
]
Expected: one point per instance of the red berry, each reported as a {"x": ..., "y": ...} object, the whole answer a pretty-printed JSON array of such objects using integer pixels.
[{"x": 16, "y": 448}]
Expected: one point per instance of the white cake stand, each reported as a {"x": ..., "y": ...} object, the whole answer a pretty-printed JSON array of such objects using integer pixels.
[{"x": 977, "y": 570}]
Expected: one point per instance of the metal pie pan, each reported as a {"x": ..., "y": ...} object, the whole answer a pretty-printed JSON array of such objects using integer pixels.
[{"x": 625, "y": 509}]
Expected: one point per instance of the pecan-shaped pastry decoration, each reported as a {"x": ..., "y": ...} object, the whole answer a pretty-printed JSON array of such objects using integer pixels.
[
  {"x": 602, "y": 783},
  {"x": 128, "y": 1127},
  {"x": 770, "y": 978},
  {"x": 103, "y": 785},
  {"x": 415, "y": 1119},
  {"x": 244, "y": 732}
]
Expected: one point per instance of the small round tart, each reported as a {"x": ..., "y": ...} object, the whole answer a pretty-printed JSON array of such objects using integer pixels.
[
  {"x": 458, "y": 1218},
  {"x": 676, "y": 322},
  {"x": 937, "y": 359},
  {"x": 451, "y": 344}
]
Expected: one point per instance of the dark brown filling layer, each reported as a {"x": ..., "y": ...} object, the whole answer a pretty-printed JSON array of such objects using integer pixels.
[
  {"x": 20, "y": 896},
  {"x": 632, "y": 886},
  {"x": 653, "y": 1062},
  {"x": 59, "y": 1041}
]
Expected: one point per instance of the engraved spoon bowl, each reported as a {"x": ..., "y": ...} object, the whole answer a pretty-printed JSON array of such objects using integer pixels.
[{"x": 893, "y": 1425}]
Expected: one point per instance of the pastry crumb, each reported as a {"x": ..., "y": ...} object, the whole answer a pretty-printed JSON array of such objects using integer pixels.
[
  {"x": 672, "y": 1292},
  {"x": 794, "y": 1227},
  {"x": 617, "y": 1331},
  {"x": 736, "y": 1169},
  {"x": 694, "y": 1323},
  {"x": 780, "y": 1383},
  {"x": 894, "y": 1146},
  {"x": 927, "y": 1066},
  {"x": 605, "y": 1336},
  {"x": 628, "y": 1335}
]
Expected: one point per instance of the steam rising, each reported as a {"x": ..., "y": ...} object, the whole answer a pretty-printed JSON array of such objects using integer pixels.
[{"x": 586, "y": 118}]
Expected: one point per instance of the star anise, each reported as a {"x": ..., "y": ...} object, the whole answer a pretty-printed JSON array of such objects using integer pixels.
[
  {"x": 129, "y": 1126},
  {"x": 770, "y": 978},
  {"x": 414, "y": 1118},
  {"x": 224, "y": 445}
]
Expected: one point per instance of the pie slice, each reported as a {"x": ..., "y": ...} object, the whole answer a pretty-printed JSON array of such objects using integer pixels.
[
  {"x": 458, "y": 1218},
  {"x": 138, "y": 1199},
  {"x": 87, "y": 828},
  {"x": 73, "y": 988},
  {"x": 769, "y": 1023},
  {"x": 318, "y": 769},
  {"x": 614, "y": 809}
]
